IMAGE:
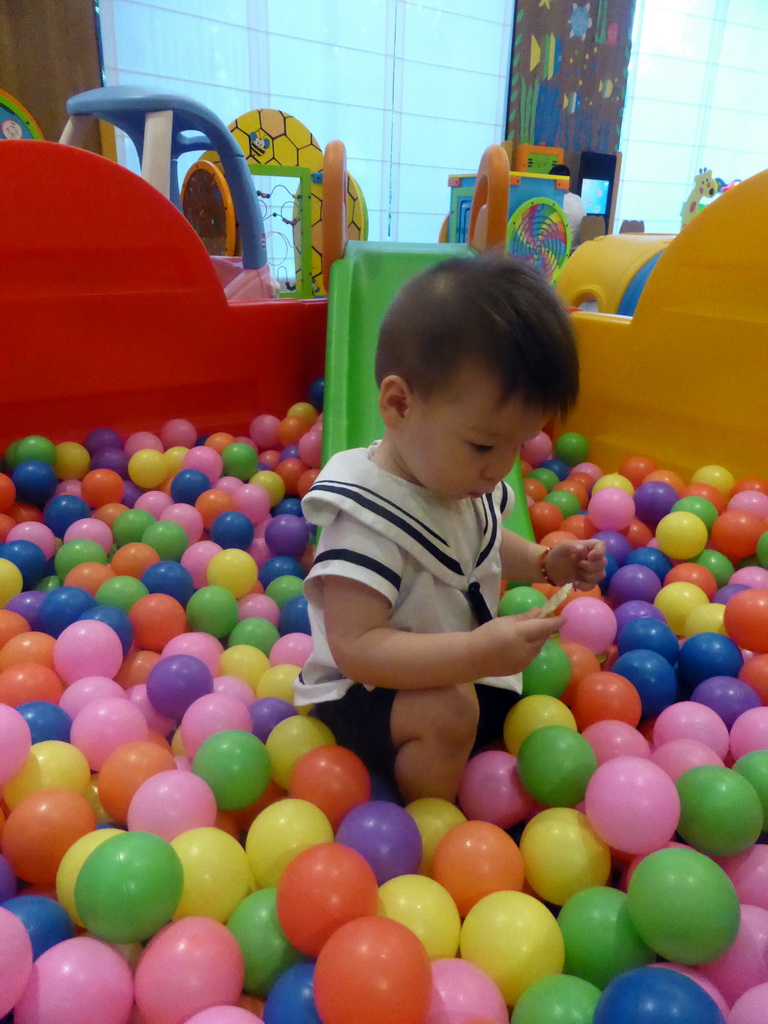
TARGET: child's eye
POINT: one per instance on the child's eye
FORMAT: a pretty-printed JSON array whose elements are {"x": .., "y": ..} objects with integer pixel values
[{"x": 480, "y": 448}]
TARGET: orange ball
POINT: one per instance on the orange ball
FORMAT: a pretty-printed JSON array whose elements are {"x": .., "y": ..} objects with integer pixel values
[
  {"x": 582, "y": 478},
  {"x": 269, "y": 458},
  {"x": 690, "y": 572},
  {"x": 28, "y": 647},
  {"x": 123, "y": 772},
  {"x": 580, "y": 526},
  {"x": 605, "y": 695},
  {"x": 89, "y": 576},
  {"x": 28, "y": 681},
  {"x": 746, "y": 620},
  {"x": 735, "y": 534},
  {"x": 6, "y": 525},
  {"x": 525, "y": 466},
  {"x": 474, "y": 859},
  {"x": 102, "y": 487},
  {"x": 637, "y": 467},
  {"x": 156, "y": 619},
  {"x": 706, "y": 491},
  {"x": 333, "y": 779},
  {"x": 23, "y": 512},
  {"x": 219, "y": 441},
  {"x": 306, "y": 480},
  {"x": 666, "y": 476},
  {"x": 534, "y": 488},
  {"x": 576, "y": 488},
  {"x": 212, "y": 503},
  {"x": 109, "y": 513},
  {"x": 754, "y": 672},
  {"x": 11, "y": 625},
  {"x": 291, "y": 429},
  {"x": 638, "y": 534},
  {"x": 136, "y": 667},
  {"x": 290, "y": 472},
  {"x": 583, "y": 662},
  {"x": 557, "y": 537},
  {"x": 41, "y": 828},
  {"x": 7, "y": 492},
  {"x": 545, "y": 518},
  {"x": 133, "y": 559}
]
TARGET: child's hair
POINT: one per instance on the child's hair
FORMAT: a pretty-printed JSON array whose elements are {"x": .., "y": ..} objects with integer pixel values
[{"x": 493, "y": 311}]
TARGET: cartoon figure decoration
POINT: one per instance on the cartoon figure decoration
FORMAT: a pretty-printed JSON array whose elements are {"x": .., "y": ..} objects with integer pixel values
[
  {"x": 704, "y": 185},
  {"x": 580, "y": 21}
]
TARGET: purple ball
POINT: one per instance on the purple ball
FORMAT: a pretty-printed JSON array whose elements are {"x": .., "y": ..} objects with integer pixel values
[
  {"x": 176, "y": 682},
  {"x": 111, "y": 458},
  {"x": 727, "y": 696},
  {"x": 653, "y": 501},
  {"x": 386, "y": 835},
  {"x": 28, "y": 604},
  {"x": 287, "y": 535},
  {"x": 8, "y": 883},
  {"x": 616, "y": 544},
  {"x": 266, "y": 713},
  {"x": 131, "y": 493},
  {"x": 631, "y": 610},
  {"x": 102, "y": 437},
  {"x": 633, "y": 583},
  {"x": 724, "y": 594}
]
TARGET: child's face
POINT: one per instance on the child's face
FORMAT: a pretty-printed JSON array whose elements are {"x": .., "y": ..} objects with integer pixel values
[{"x": 461, "y": 441}]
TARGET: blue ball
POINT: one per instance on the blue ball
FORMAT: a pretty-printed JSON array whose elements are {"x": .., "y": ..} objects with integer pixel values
[
  {"x": 706, "y": 655},
  {"x": 287, "y": 507},
  {"x": 280, "y": 565},
  {"x": 616, "y": 544},
  {"x": 35, "y": 481},
  {"x": 291, "y": 999},
  {"x": 116, "y": 619},
  {"x": 649, "y": 635},
  {"x": 46, "y": 921},
  {"x": 46, "y": 721},
  {"x": 652, "y": 676},
  {"x": 294, "y": 616},
  {"x": 655, "y": 995},
  {"x": 651, "y": 558},
  {"x": 316, "y": 393},
  {"x": 63, "y": 510},
  {"x": 557, "y": 466},
  {"x": 188, "y": 484},
  {"x": 169, "y": 578},
  {"x": 232, "y": 530},
  {"x": 28, "y": 559},
  {"x": 611, "y": 567},
  {"x": 62, "y": 607},
  {"x": 291, "y": 451}
]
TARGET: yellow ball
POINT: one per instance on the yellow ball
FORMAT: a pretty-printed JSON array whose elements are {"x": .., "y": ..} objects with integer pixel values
[
  {"x": 279, "y": 833},
  {"x": 278, "y": 682},
  {"x": 234, "y": 570},
  {"x": 681, "y": 535},
  {"x": 217, "y": 875},
  {"x": 290, "y": 740},
  {"x": 303, "y": 410},
  {"x": 272, "y": 484},
  {"x": 532, "y": 713},
  {"x": 424, "y": 906},
  {"x": 11, "y": 581},
  {"x": 715, "y": 476},
  {"x": 147, "y": 468},
  {"x": 434, "y": 818},
  {"x": 177, "y": 745},
  {"x": 92, "y": 796},
  {"x": 72, "y": 461},
  {"x": 676, "y": 601},
  {"x": 563, "y": 854},
  {"x": 174, "y": 458},
  {"x": 50, "y": 764},
  {"x": 513, "y": 938},
  {"x": 705, "y": 618},
  {"x": 72, "y": 861},
  {"x": 614, "y": 480},
  {"x": 246, "y": 662}
]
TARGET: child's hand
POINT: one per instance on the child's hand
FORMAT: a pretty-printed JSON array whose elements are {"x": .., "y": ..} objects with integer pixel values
[
  {"x": 581, "y": 562},
  {"x": 509, "y": 644}
]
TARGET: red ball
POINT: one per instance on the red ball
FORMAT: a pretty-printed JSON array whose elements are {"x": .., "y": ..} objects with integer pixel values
[
  {"x": 746, "y": 620},
  {"x": 545, "y": 518},
  {"x": 735, "y": 534},
  {"x": 636, "y": 468},
  {"x": 333, "y": 779},
  {"x": 605, "y": 695},
  {"x": 290, "y": 472},
  {"x": 690, "y": 572}
]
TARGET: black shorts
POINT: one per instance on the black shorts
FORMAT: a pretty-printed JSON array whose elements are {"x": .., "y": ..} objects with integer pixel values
[{"x": 360, "y": 721}]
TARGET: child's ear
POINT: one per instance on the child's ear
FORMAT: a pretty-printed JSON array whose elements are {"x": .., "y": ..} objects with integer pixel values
[{"x": 395, "y": 397}]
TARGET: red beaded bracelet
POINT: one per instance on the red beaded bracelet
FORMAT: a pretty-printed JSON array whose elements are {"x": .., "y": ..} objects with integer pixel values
[{"x": 543, "y": 566}]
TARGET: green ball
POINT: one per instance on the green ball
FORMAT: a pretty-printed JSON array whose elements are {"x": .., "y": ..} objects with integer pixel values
[
  {"x": 266, "y": 951},
  {"x": 600, "y": 939},
  {"x": 11, "y": 456},
  {"x": 555, "y": 765},
  {"x": 240, "y": 460},
  {"x": 520, "y": 599},
  {"x": 130, "y": 525},
  {"x": 762, "y": 550},
  {"x": 212, "y": 610},
  {"x": 236, "y": 766},
  {"x": 121, "y": 592},
  {"x": 572, "y": 448},
  {"x": 256, "y": 633},
  {"x": 567, "y": 503},
  {"x": 283, "y": 588},
  {"x": 544, "y": 476},
  {"x": 35, "y": 447},
  {"x": 683, "y": 906},
  {"x": 129, "y": 887},
  {"x": 48, "y": 583},
  {"x": 701, "y": 507},
  {"x": 720, "y": 566},
  {"x": 75, "y": 552},
  {"x": 168, "y": 539},
  {"x": 720, "y": 812},
  {"x": 557, "y": 997},
  {"x": 754, "y": 768},
  {"x": 549, "y": 672}
]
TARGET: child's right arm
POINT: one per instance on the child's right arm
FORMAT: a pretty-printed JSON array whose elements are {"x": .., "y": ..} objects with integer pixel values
[{"x": 368, "y": 650}]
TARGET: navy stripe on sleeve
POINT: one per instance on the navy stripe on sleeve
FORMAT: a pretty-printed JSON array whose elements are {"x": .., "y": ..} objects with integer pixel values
[{"x": 364, "y": 561}]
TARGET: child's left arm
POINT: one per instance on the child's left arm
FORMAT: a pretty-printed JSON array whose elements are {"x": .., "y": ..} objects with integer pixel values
[{"x": 581, "y": 562}]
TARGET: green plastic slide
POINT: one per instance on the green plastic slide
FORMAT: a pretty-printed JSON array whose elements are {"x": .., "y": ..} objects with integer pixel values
[{"x": 363, "y": 285}]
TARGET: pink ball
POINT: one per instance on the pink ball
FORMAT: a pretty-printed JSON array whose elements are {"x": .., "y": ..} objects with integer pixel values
[
  {"x": 749, "y": 873},
  {"x": 189, "y": 966},
  {"x": 15, "y": 741},
  {"x": 253, "y": 501},
  {"x": 235, "y": 688},
  {"x": 16, "y": 958},
  {"x": 230, "y": 484},
  {"x": 200, "y": 645},
  {"x": 69, "y": 487},
  {"x": 291, "y": 649},
  {"x": 311, "y": 447},
  {"x": 259, "y": 551},
  {"x": 590, "y": 469},
  {"x": 745, "y": 964},
  {"x": 137, "y": 695},
  {"x": 225, "y": 1015},
  {"x": 170, "y": 803},
  {"x": 259, "y": 606},
  {"x": 611, "y": 509},
  {"x": 681, "y": 755},
  {"x": 187, "y": 517},
  {"x": 141, "y": 441},
  {"x": 36, "y": 533},
  {"x": 749, "y": 732},
  {"x": 462, "y": 992},
  {"x": 632, "y": 804},
  {"x": 105, "y": 724},
  {"x": 538, "y": 449},
  {"x": 751, "y": 576},
  {"x": 491, "y": 789},
  {"x": 207, "y": 460},
  {"x": 177, "y": 433},
  {"x": 589, "y": 621},
  {"x": 751, "y": 501},
  {"x": 153, "y": 501},
  {"x": 80, "y": 979},
  {"x": 263, "y": 431},
  {"x": 752, "y": 1007},
  {"x": 87, "y": 648},
  {"x": 76, "y": 696},
  {"x": 91, "y": 529},
  {"x": 609, "y": 739},
  {"x": 701, "y": 981},
  {"x": 209, "y": 714},
  {"x": 196, "y": 558},
  {"x": 690, "y": 720}
]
